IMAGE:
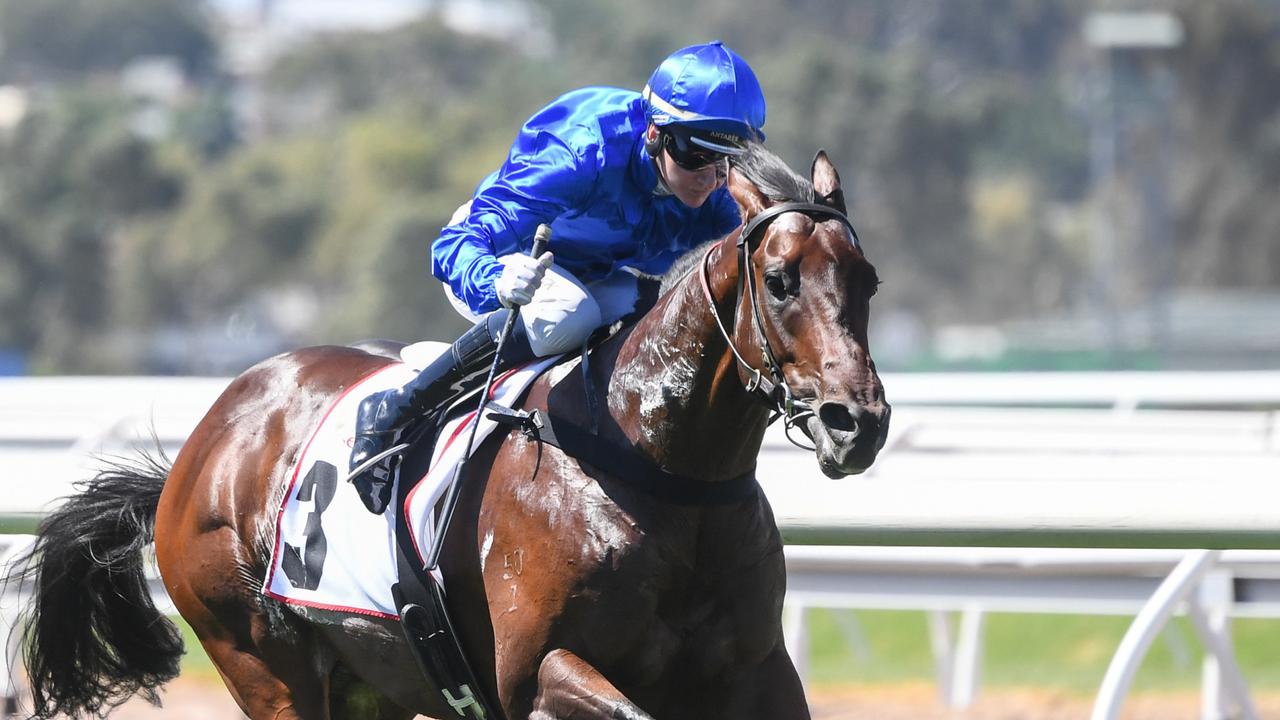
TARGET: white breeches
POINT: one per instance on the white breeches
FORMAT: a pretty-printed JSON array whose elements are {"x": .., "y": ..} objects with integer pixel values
[{"x": 564, "y": 311}]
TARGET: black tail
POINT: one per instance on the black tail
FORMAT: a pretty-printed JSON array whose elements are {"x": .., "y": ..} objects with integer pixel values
[{"x": 94, "y": 637}]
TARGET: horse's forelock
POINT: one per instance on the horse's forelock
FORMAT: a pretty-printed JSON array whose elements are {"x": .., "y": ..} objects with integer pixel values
[{"x": 772, "y": 176}]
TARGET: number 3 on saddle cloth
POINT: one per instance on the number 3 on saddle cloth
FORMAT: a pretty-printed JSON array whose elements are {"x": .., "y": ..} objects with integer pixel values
[{"x": 330, "y": 551}]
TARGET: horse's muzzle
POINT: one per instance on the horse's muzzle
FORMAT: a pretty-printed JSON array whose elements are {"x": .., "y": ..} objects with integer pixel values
[{"x": 847, "y": 437}]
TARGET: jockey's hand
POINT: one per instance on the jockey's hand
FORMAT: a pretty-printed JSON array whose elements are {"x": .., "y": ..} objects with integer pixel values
[{"x": 521, "y": 277}]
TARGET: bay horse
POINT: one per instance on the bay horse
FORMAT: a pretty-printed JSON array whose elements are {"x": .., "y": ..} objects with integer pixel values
[{"x": 576, "y": 592}]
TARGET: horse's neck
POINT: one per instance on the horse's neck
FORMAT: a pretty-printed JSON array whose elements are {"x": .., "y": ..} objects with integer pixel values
[{"x": 676, "y": 394}]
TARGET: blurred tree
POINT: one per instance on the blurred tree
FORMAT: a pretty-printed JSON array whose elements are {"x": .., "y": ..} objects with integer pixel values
[
  {"x": 207, "y": 123},
  {"x": 1228, "y": 158},
  {"x": 960, "y": 130},
  {"x": 391, "y": 293},
  {"x": 70, "y": 175},
  {"x": 22, "y": 272},
  {"x": 120, "y": 176},
  {"x": 65, "y": 38},
  {"x": 250, "y": 223},
  {"x": 422, "y": 65}
]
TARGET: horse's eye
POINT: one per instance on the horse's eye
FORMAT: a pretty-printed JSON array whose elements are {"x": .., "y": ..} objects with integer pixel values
[{"x": 776, "y": 285}]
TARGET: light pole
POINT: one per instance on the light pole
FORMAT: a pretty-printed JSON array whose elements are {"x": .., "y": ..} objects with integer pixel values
[{"x": 1119, "y": 38}]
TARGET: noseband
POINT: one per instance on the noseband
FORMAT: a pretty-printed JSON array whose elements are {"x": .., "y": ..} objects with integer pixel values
[{"x": 775, "y": 392}]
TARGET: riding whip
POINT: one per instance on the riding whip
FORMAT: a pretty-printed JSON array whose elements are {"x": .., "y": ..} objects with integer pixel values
[{"x": 540, "y": 239}]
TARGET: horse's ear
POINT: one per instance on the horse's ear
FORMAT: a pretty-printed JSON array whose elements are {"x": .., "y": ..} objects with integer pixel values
[
  {"x": 749, "y": 197},
  {"x": 826, "y": 182}
]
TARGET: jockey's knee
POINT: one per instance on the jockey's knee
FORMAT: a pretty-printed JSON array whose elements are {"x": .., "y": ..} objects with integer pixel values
[
  {"x": 561, "y": 332},
  {"x": 562, "y": 315}
]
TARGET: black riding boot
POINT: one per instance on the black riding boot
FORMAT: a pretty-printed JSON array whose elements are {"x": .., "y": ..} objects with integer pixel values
[{"x": 383, "y": 414}]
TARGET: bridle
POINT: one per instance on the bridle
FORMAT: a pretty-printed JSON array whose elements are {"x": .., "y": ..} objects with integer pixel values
[{"x": 773, "y": 390}]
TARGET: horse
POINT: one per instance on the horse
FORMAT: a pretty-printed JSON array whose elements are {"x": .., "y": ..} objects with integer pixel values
[{"x": 577, "y": 593}]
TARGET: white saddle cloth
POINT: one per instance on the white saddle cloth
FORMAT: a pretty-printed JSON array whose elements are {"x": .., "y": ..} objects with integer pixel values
[{"x": 330, "y": 551}]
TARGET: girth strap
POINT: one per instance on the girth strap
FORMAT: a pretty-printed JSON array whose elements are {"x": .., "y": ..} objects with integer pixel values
[{"x": 424, "y": 616}]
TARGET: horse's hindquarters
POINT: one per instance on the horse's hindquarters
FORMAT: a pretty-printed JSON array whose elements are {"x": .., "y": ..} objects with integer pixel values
[{"x": 215, "y": 534}]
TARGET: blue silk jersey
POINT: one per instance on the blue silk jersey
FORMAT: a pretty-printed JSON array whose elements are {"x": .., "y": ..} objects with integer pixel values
[{"x": 580, "y": 165}]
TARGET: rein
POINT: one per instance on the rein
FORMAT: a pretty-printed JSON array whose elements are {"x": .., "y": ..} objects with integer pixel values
[{"x": 773, "y": 391}]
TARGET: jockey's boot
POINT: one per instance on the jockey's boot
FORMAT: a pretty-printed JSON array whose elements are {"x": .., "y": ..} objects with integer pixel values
[{"x": 384, "y": 414}]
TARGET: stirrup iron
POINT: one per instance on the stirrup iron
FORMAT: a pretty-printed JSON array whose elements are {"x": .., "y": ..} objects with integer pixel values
[{"x": 358, "y": 471}]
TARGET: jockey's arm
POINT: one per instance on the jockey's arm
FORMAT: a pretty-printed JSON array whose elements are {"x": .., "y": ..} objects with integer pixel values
[{"x": 526, "y": 191}]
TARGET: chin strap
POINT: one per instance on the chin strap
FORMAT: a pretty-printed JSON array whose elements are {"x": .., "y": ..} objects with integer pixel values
[{"x": 661, "y": 189}]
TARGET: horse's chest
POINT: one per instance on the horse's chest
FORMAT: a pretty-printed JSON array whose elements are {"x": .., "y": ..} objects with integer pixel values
[
  {"x": 646, "y": 591},
  {"x": 705, "y": 621}
]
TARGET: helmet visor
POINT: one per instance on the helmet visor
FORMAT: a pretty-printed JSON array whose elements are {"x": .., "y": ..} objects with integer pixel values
[{"x": 693, "y": 152}]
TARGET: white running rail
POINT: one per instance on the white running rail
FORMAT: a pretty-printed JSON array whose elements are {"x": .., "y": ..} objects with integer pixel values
[{"x": 1008, "y": 493}]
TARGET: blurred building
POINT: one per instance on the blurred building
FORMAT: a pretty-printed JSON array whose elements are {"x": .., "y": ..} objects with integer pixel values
[
  {"x": 14, "y": 103},
  {"x": 256, "y": 32}
]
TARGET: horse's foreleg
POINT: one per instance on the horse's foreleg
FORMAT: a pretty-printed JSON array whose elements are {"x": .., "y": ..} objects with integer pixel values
[
  {"x": 769, "y": 691},
  {"x": 568, "y": 687}
]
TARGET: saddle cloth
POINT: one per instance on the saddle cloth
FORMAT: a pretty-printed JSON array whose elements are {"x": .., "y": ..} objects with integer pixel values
[{"x": 330, "y": 552}]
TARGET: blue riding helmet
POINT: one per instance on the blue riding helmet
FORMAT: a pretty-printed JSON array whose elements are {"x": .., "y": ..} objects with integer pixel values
[{"x": 712, "y": 92}]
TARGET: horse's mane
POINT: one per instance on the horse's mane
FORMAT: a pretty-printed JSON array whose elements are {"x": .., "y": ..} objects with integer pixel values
[
  {"x": 683, "y": 266},
  {"x": 771, "y": 176}
]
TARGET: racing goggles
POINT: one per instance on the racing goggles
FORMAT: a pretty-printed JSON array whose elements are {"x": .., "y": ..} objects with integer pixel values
[{"x": 688, "y": 154}]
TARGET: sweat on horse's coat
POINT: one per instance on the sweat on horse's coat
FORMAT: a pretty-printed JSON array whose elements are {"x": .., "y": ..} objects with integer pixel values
[{"x": 575, "y": 593}]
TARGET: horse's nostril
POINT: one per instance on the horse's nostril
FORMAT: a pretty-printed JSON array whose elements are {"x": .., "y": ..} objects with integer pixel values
[{"x": 837, "y": 417}]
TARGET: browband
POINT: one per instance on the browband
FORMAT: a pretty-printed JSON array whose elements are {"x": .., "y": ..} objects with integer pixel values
[{"x": 823, "y": 211}]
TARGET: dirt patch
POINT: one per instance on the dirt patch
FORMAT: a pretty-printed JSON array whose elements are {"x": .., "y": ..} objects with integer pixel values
[
  {"x": 919, "y": 701},
  {"x": 184, "y": 699},
  {"x": 191, "y": 699}
]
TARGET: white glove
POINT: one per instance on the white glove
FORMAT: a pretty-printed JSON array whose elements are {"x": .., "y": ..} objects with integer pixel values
[{"x": 521, "y": 277}]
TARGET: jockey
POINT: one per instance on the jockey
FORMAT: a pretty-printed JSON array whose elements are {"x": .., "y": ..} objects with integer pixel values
[{"x": 627, "y": 181}]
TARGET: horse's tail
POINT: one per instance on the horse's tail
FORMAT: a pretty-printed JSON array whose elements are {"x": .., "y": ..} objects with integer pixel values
[{"x": 94, "y": 637}]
